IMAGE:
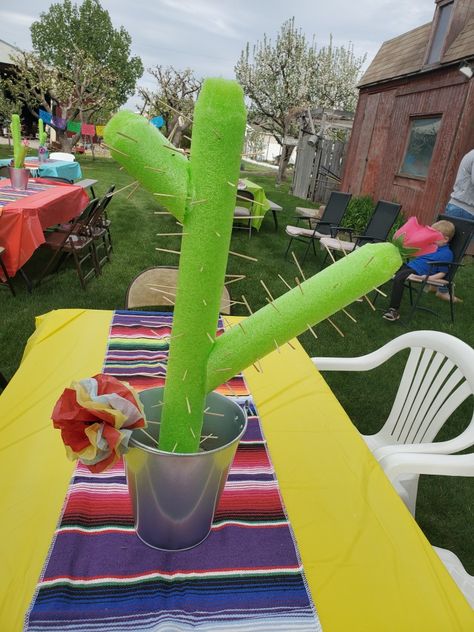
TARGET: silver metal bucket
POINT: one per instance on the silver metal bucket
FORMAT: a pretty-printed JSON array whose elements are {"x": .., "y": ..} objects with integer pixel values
[
  {"x": 19, "y": 178},
  {"x": 174, "y": 496}
]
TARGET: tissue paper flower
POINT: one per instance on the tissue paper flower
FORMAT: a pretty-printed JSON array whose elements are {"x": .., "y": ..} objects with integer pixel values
[
  {"x": 96, "y": 417},
  {"x": 414, "y": 239}
]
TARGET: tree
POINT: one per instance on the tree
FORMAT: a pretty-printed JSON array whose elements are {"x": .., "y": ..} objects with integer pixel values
[
  {"x": 79, "y": 63},
  {"x": 173, "y": 99},
  {"x": 283, "y": 78}
]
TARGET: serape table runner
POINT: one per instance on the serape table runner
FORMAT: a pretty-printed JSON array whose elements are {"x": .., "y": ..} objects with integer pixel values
[
  {"x": 246, "y": 576},
  {"x": 8, "y": 194}
]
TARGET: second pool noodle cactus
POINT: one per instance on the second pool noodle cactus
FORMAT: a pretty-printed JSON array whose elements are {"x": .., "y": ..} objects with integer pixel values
[
  {"x": 204, "y": 202},
  {"x": 19, "y": 150}
]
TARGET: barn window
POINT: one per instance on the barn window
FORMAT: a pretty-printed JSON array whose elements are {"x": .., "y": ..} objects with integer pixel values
[
  {"x": 421, "y": 142},
  {"x": 442, "y": 22}
]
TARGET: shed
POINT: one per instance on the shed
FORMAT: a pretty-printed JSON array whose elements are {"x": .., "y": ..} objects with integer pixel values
[{"x": 415, "y": 114}]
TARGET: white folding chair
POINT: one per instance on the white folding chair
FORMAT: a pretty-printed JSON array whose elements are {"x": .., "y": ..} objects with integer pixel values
[{"x": 62, "y": 155}]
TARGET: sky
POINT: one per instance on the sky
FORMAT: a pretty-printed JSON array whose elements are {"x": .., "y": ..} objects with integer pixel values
[{"x": 208, "y": 35}]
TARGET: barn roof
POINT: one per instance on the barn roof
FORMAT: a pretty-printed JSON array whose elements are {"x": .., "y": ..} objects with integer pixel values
[
  {"x": 404, "y": 55},
  {"x": 6, "y": 50}
]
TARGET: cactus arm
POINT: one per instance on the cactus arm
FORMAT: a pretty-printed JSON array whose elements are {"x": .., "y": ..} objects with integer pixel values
[
  {"x": 219, "y": 125},
  {"x": 141, "y": 149},
  {"x": 41, "y": 132},
  {"x": 319, "y": 297}
]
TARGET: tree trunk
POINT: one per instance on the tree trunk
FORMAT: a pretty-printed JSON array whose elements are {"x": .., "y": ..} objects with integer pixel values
[
  {"x": 286, "y": 151},
  {"x": 64, "y": 140}
]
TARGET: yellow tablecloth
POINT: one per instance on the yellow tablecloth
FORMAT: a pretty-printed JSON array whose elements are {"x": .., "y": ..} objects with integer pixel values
[
  {"x": 369, "y": 567},
  {"x": 260, "y": 206}
]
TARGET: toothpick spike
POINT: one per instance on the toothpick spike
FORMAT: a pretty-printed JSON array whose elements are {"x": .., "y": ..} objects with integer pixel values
[
  {"x": 299, "y": 285},
  {"x": 330, "y": 253},
  {"x": 173, "y": 252},
  {"x": 148, "y": 435},
  {"x": 188, "y": 405},
  {"x": 192, "y": 432},
  {"x": 185, "y": 373},
  {"x": 126, "y": 136},
  {"x": 311, "y": 330},
  {"x": 276, "y": 345},
  {"x": 287, "y": 284},
  {"x": 272, "y": 304},
  {"x": 218, "y": 234},
  {"x": 114, "y": 149},
  {"x": 290, "y": 345},
  {"x": 171, "y": 234},
  {"x": 174, "y": 447},
  {"x": 133, "y": 191},
  {"x": 376, "y": 289},
  {"x": 242, "y": 328},
  {"x": 349, "y": 315},
  {"x": 204, "y": 302},
  {"x": 210, "y": 337},
  {"x": 335, "y": 327},
  {"x": 298, "y": 265},
  {"x": 247, "y": 305},
  {"x": 154, "y": 169},
  {"x": 240, "y": 277},
  {"x": 231, "y": 184},
  {"x": 370, "y": 302},
  {"x": 238, "y": 254},
  {"x": 170, "y": 302}
]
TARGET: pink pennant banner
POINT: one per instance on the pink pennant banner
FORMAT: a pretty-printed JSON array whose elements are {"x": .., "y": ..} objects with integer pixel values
[{"x": 87, "y": 129}]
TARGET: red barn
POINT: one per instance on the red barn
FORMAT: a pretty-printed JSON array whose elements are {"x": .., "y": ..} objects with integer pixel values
[{"x": 415, "y": 115}]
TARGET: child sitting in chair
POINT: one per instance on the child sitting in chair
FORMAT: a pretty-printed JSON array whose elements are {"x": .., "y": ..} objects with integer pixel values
[{"x": 419, "y": 267}]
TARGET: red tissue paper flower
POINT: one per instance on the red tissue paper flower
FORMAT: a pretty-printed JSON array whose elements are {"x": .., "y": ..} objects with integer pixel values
[
  {"x": 96, "y": 417},
  {"x": 414, "y": 239}
]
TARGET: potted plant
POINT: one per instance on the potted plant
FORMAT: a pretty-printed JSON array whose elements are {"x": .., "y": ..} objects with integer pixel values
[
  {"x": 174, "y": 479},
  {"x": 42, "y": 136},
  {"x": 18, "y": 174}
]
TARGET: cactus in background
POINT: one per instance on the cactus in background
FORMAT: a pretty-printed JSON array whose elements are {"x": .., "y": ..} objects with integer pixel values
[
  {"x": 41, "y": 133},
  {"x": 200, "y": 193},
  {"x": 19, "y": 149}
]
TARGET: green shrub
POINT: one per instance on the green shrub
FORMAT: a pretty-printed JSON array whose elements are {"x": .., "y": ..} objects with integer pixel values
[{"x": 358, "y": 213}]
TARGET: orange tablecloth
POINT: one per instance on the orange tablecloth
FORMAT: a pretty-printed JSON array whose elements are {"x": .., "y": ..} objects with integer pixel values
[{"x": 22, "y": 222}]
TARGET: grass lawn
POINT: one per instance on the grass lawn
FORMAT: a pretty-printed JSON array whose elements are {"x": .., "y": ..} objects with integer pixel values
[{"x": 445, "y": 505}]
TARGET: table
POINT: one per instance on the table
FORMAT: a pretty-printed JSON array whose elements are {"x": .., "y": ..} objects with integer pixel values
[
  {"x": 260, "y": 206},
  {"x": 369, "y": 567},
  {"x": 51, "y": 167},
  {"x": 23, "y": 221}
]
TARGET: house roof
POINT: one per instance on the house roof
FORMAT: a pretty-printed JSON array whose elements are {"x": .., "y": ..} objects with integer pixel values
[
  {"x": 404, "y": 55},
  {"x": 6, "y": 50}
]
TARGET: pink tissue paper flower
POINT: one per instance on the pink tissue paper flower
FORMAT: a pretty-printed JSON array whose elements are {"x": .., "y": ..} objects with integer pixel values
[{"x": 415, "y": 239}]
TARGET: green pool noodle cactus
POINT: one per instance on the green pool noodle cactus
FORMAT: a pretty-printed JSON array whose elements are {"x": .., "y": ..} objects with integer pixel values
[
  {"x": 41, "y": 133},
  {"x": 19, "y": 150},
  {"x": 203, "y": 202}
]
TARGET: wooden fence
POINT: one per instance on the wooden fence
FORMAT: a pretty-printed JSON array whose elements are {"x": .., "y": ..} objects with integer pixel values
[{"x": 318, "y": 167}]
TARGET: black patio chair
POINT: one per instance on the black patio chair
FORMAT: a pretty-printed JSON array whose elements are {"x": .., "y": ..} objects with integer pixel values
[
  {"x": 332, "y": 216},
  {"x": 378, "y": 228},
  {"x": 458, "y": 245}
]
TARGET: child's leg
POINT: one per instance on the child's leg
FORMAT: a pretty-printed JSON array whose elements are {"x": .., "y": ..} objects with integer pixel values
[{"x": 397, "y": 286}]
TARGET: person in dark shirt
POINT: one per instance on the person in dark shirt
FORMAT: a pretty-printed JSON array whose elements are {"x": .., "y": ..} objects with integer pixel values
[{"x": 421, "y": 268}]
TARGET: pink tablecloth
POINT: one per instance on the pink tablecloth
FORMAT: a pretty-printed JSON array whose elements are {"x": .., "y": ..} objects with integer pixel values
[{"x": 23, "y": 221}]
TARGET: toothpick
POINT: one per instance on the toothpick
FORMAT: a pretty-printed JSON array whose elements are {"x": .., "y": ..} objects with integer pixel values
[
  {"x": 369, "y": 261},
  {"x": 187, "y": 137},
  {"x": 210, "y": 337},
  {"x": 155, "y": 289},
  {"x": 349, "y": 315},
  {"x": 176, "y": 149},
  {"x": 342, "y": 247},
  {"x": 171, "y": 234},
  {"x": 197, "y": 202},
  {"x": 272, "y": 304},
  {"x": 159, "y": 285},
  {"x": 192, "y": 432},
  {"x": 160, "y": 403},
  {"x": 238, "y": 254},
  {"x": 114, "y": 149},
  {"x": 162, "y": 213},
  {"x": 174, "y": 447},
  {"x": 188, "y": 405},
  {"x": 311, "y": 330},
  {"x": 241, "y": 197},
  {"x": 242, "y": 328},
  {"x": 231, "y": 184},
  {"x": 376, "y": 289},
  {"x": 201, "y": 268},
  {"x": 218, "y": 234},
  {"x": 227, "y": 368},
  {"x": 335, "y": 327},
  {"x": 287, "y": 284},
  {"x": 171, "y": 303},
  {"x": 125, "y": 187},
  {"x": 207, "y": 411},
  {"x": 155, "y": 169},
  {"x": 210, "y": 436},
  {"x": 240, "y": 277},
  {"x": 370, "y": 302},
  {"x": 233, "y": 393},
  {"x": 174, "y": 109},
  {"x": 148, "y": 435},
  {"x": 165, "y": 195},
  {"x": 126, "y": 136},
  {"x": 276, "y": 345},
  {"x": 256, "y": 367},
  {"x": 133, "y": 191},
  {"x": 298, "y": 265},
  {"x": 173, "y": 252},
  {"x": 246, "y": 304},
  {"x": 330, "y": 253},
  {"x": 292, "y": 346},
  {"x": 266, "y": 289},
  {"x": 176, "y": 336},
  {"x": 204, "y": 302},
  {"x": 299, "y": 285},
  {"x": 185, "y": 373}
]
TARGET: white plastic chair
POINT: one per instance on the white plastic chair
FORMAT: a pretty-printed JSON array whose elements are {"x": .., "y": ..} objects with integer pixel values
[
  {"x": 62, "y": 155},
  {"x": 396, "y": 465},
  {"x": 438, "y": 377}
]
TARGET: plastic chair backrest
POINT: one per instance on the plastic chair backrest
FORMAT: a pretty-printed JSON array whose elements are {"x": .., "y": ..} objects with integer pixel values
[
  {"x": 334, "y": 212},
  {"x": 380, "y": 222},
  {"x": 438, "y": 377},
  {"x": 62, "y": 155},
  {"x": 157, "y": 286},
  {"x": 461, "y": 240}
]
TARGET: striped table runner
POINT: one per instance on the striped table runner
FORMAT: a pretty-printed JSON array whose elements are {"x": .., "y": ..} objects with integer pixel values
[
  {"x": 246, "y": 576},
  {"x": 8, "y": 194}
]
